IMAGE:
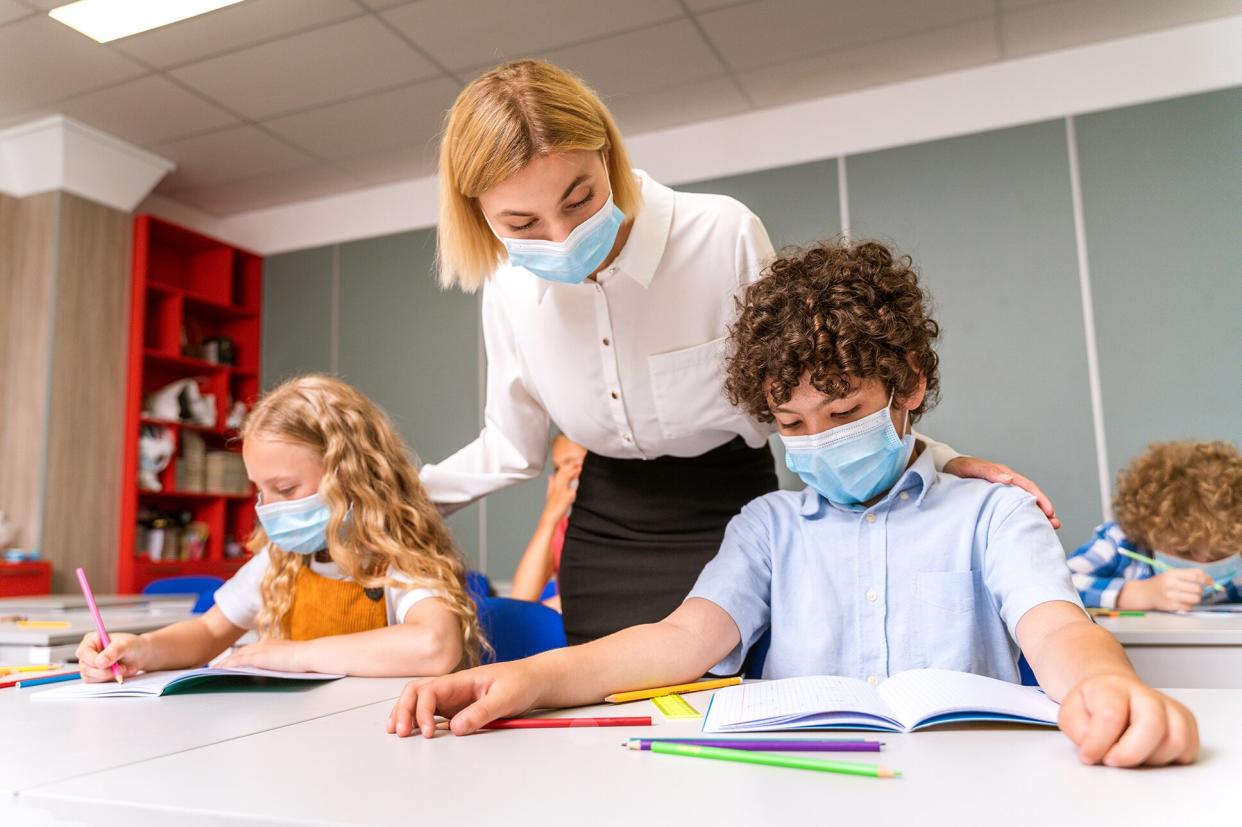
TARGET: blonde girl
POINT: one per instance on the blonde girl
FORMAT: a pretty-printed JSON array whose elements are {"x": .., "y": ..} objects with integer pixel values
[{"x": 353, "y": 568}]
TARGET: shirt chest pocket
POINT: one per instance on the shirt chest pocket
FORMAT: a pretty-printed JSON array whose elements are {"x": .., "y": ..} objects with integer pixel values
[
  {"x": 687, "y": 386},
  {"x": 949, "y": 591}
]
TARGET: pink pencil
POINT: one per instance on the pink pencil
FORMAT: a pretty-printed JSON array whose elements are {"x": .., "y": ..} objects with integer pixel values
[{"x": 104, "y": 640}]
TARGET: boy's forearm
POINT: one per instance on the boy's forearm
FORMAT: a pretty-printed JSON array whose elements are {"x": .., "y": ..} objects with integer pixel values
[
  {"x": 1074, "y": 652},
  {"x": 654, "y": 654}
]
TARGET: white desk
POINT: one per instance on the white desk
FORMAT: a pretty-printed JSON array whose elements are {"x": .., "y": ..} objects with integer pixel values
[
  {"x": 56, "y": 740},
  {"x": 1182, "y": 650},
  {"x": 56, "y": 603},
  {"x": 343, "y": 769},
  {"x": 19, "y": 645}
]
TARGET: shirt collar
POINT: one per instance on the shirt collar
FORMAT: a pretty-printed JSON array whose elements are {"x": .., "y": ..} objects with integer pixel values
[
  {"x": 921, "y": 475},
  {"x": 643, "y": 250}
]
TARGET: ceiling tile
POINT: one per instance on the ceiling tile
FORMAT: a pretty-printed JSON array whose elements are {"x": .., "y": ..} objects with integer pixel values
[
  {"x": 1062, "y": 25},
  {"x": 641, "y": 61},
  {"x": 146, "y": 111},
  {"x": 227, "y": 155},
  {"x": 326, "y": 64},
  {"x": 407, "y": 117},
  {"x": 268, "y": 190},
  {"x": 763, "y": 33},
  {"x": 890, "y": 61},
  {"x": 661, "y": 108},
  {"x": 463, "y": 35},
  {"x": 396, "y": 165},
  {"x": 232, "y": 28},
  {"x": 43, "y": 61},
  {"x": 11, "y": 10}
]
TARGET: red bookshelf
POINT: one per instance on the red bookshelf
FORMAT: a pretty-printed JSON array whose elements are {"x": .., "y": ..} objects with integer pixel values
[{"x": 190, "y": 294}]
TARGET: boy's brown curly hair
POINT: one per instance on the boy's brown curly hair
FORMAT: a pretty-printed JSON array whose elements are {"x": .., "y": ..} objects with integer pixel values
[
  {"x": 838, "y": 312},
  {"x": 1183, "y": 498}
]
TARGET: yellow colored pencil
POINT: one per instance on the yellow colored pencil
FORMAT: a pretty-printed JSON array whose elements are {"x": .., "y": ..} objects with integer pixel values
[
  {"x": 43, "y": 624},
  {"x": 644, "y": 694},
  {"x": 37, "y": 667},
  {"x": 1156, "y": 564}
]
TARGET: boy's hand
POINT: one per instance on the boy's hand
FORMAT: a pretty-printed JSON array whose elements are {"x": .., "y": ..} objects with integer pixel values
[
  {"x": 1175, "y": 590},
  {"x": 132, "y": 652},
  {"x": 1119, "y": 721},
  {"x": 471, "y": 699},
  {"x": 277, "y": 655},
  {"x": 995, "y": 472}
]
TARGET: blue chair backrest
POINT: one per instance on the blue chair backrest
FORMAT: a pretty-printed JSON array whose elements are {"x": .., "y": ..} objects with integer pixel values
[
  {"x": 549, "y": 591},
  {"x": 1024, "y": 672},
  {"x": 204, "y": 586},
  {"x": 752, "y": 667},
  {"x": 519, "y": 628},
  {"x": 478, "y": 586}
]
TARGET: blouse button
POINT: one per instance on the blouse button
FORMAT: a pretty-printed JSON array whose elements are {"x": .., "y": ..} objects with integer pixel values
[
  {"x": 605, "y": 342},
  {"x": 613, "y": 394}
]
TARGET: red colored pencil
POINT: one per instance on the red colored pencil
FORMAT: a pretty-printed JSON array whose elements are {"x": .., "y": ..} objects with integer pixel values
[{"x": 557, "y": 723}]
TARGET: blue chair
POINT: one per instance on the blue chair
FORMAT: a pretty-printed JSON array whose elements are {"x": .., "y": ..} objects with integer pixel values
[
  {"x": 519, "y": 628},
  {"x": 549, "y": 591},
  {"x": 1024, "y": 672},
  {"x": 752, "y": 667},
  {"x": 478, "y": 586},
  {"x": 204, "y": 586}
]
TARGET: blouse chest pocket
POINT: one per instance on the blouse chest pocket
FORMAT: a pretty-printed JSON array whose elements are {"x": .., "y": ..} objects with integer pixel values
[{"x": 687, "y": 386}]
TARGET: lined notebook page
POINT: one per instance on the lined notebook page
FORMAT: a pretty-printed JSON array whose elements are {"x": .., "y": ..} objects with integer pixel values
[
  {"x": 919, "y": 694},
  {"x": 795, "y": 697}
]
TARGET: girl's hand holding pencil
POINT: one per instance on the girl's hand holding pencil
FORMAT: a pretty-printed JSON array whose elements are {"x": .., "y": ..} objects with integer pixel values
[{"x": 130, "y": 652}]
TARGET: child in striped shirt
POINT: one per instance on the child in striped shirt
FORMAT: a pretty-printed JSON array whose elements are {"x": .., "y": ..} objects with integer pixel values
[{"x": 1179, "y": 503}]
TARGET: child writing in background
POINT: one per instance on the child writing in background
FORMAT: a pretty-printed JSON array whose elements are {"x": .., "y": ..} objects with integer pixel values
[
  {"x": 881, "y": 564},
  {"x": 1179, "y": 503},
  {"x": 542, "y": 558},
  {"x": 353, "y": 568}
]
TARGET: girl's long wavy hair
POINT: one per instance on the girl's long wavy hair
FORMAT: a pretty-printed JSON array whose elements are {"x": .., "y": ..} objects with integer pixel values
[{"x": 367, "y": 467}]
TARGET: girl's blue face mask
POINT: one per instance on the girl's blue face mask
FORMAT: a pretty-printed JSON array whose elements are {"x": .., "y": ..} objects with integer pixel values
[
  {"x": 581, "y": 253},
  {"x": 297, "y": 526},
  {"x": 851, "y": 463}
]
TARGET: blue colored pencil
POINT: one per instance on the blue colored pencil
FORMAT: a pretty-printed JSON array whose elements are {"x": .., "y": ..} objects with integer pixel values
[
  {"x": 69, "y": 676},
  {"x": 765, "y": 744}
]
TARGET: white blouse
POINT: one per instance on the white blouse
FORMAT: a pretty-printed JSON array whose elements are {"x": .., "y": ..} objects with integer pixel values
[{"x": 630, "y": 366}]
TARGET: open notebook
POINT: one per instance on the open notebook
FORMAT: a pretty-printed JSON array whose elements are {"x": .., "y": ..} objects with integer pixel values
[
  {"x": 910, "y": 700},
  {"x": 207, "y": 679}
]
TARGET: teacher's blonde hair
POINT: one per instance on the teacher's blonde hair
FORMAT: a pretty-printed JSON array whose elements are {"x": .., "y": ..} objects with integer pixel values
[{"x": 497, "y": 125}]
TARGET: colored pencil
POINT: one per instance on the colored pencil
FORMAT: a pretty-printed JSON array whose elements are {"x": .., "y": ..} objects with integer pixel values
[
  {"x": 5, "y": 684},
  {"x": 559, "y": 723},
  {"x": 104, "y": 640},
  {"x": 38, "y": 667},
  {"x": 644, "y": 694},
  {"x": 762, "y": 745},
  {"x": 1156, "y": 564},
  {"x": 68, "y": 676},
  {"x": 1116, "y": 613},
  {"x": 43, "y": 624},
  {"x": 769, "y": 760}
]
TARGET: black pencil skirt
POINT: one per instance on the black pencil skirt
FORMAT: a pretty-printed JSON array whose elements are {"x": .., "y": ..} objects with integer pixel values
[{"x": 641, "y": 531}]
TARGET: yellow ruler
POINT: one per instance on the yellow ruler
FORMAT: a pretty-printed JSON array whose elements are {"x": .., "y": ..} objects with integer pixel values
[{"x": 675, "y": 707}]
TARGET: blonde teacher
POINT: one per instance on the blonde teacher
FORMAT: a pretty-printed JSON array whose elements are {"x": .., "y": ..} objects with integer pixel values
[{"x": 606, "y": 301}]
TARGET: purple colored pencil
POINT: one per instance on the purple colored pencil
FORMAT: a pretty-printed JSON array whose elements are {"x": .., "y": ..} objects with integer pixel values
[{"x": 766, "y": 745}]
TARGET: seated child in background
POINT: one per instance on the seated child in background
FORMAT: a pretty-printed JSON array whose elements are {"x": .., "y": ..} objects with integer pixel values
[
  {"x": 1181, "y": 504},
  {"x": 542, "y": 558},
  {"x": 353, "y": 568},
  {"x": 882, "y": 564}
]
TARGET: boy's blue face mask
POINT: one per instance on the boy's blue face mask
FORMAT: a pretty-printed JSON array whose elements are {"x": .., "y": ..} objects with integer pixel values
[
  {"x": 1221, "y": 571},
  {"x": 581, "y": 253},
  {"x": 851, "y": 463},
  {"x": 297, "y": 526}
]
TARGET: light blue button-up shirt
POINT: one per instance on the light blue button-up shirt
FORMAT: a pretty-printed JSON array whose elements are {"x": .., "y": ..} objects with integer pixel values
[{"x": 936, "y": 574}]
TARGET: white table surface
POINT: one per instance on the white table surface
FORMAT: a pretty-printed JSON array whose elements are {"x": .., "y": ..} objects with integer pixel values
[
  {"x": 122, "y": 619},
  {"x": 1166, "y": 629},
  {"x": 61, "y": 602},
  {"x": 343, "y": 769},
  {"x": 46, "y": 741}
]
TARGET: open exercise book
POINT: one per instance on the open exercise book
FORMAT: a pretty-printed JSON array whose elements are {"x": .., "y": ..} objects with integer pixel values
[
  {"x": 915, "y": 699},
  {"x": 207, "y": 679}
]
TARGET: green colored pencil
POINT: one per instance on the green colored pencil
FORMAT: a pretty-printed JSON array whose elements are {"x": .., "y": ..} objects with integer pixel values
[
  {"x": 773, "y": 760},
  {"x": 1158, "y": 565}
]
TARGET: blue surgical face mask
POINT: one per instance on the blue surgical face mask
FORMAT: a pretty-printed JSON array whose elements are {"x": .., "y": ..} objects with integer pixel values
[
  {"x": 578, "y": 256},
  {"x": 1221, "y": 571},
  {"x": 851, "y": 463},
  {"x": 297, "y": 526}
]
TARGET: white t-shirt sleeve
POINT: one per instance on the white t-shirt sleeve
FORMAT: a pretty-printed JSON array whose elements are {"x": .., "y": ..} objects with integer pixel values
[
  {"x": 239, "y": 598},
  {"x": 400, "y": 600}
]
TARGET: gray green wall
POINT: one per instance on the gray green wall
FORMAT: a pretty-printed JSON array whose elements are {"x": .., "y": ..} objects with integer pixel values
[{"x": 989, "y": 219}]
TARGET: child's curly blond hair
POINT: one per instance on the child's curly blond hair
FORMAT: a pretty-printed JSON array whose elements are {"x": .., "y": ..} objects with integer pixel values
[{"x": 1183, "y": 498}]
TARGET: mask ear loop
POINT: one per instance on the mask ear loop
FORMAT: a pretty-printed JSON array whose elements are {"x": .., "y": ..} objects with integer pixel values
[{"x": 892, "y": 395}]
